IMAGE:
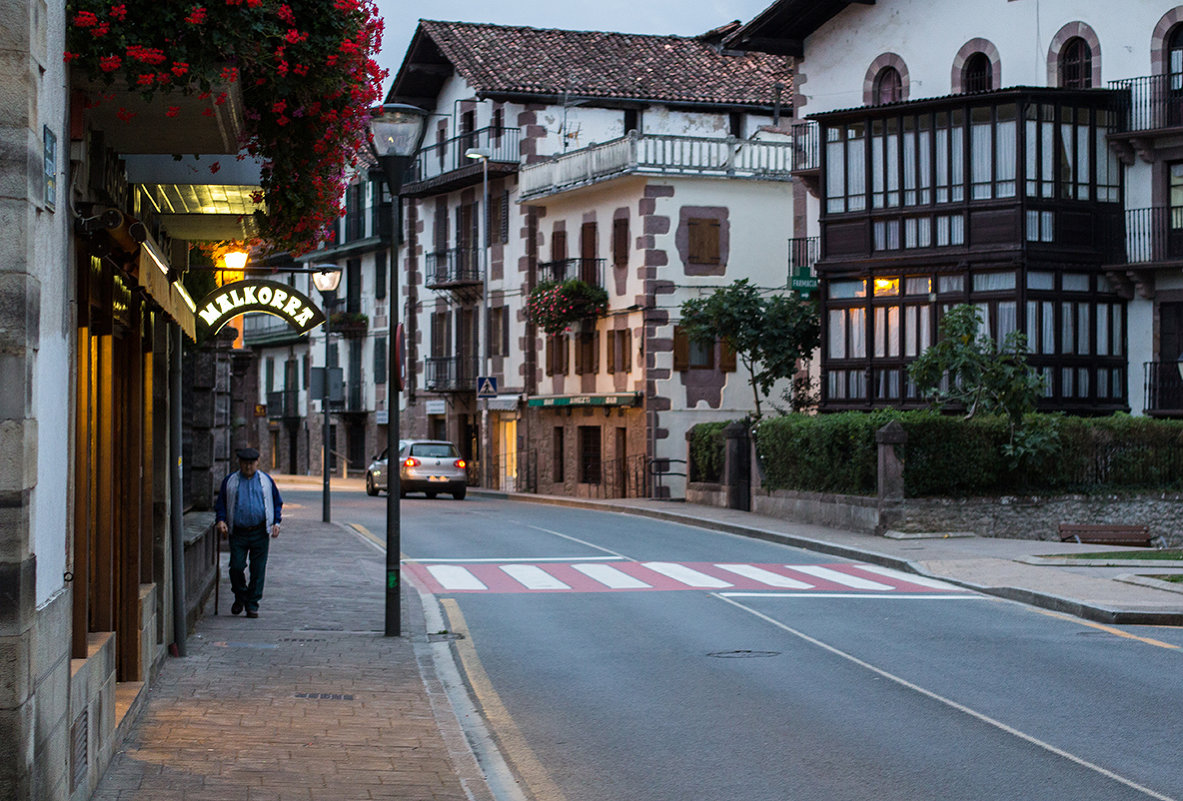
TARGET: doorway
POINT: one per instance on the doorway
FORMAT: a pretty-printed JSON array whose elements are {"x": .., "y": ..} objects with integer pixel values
[{"x": 507, "y": 435}]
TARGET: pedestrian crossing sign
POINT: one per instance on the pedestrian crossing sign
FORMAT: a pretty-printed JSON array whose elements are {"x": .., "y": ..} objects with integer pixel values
[{"x": 486, "y": 386}]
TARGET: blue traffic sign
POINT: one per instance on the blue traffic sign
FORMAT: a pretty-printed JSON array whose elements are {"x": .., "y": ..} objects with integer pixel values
[{"x": 486, "y": 386}]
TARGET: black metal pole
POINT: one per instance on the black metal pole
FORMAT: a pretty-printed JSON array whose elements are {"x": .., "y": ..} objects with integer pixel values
[
  {"x": 393, "y": 167},
  {"x": 326, "y": 514}
]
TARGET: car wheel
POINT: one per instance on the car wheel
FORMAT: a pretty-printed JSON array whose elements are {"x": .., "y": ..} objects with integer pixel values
[
  {"x": 431, "y": 495},
  {"x": 459, "y": 494},
  {"x": 371, "y": 489}
]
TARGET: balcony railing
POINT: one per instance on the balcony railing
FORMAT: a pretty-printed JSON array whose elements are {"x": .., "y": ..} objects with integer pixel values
[
  {"x": 590, "y": 271},
  {"x": 805, "y": 146},
  {"x": 1151, "y": 103},
  {"x": 447, "y": 156},
  {"x": 1164, "y": 389},
  {"x": 1154, "y": 235},
  {"x": 283, "y": 405},
  {"x": 455, "y": 267},
  {"x": 264, "y": 329},
  {"x": 804, "y": 252},
  {"x": 658, "y": 155},
  {"x": 450, "y": 374}
]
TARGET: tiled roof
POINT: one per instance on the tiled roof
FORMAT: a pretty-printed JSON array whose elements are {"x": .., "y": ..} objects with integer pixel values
[{"x": 499, "y": 59}]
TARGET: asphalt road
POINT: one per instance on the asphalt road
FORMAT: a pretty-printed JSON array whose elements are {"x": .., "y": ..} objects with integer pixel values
[{"x": 617, "y": 657}]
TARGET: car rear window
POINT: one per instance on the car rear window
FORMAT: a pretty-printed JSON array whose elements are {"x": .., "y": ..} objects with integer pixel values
[{"x": 433, "y": 450}]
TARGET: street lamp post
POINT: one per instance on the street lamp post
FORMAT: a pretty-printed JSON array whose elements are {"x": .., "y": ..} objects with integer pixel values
[
  {"x": 326, "y": 280},
  {"x": 484, "y": 344},
  {"x": 396, "y": 130}
]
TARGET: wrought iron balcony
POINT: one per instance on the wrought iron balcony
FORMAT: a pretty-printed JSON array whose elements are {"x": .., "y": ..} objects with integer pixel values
[
  {"x": 283, "y": 405},
  {"x": 1164, "y": 389},
  {"x": 1150, "y": 103},
  {"x": 590, "y": 271},
  {"x": 638, "y": 154},
  {"x": 264, "y": 329},
  {"x": 805, "y": 146},
  {"x": 450, "y": 374},
  {"x": 804, "y": 252},
  {"x": 443, "y": 166},
  {"x": 452, "y": 268},
  {"x": 1154, "y": 235}
]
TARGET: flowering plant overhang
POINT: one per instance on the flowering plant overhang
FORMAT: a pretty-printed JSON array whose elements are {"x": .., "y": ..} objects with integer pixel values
[
  {"x": 305, "y": 70},
  {"x": 553, "y": 305}
]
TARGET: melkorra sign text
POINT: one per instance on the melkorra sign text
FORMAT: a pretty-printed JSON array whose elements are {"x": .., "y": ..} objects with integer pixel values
[{"x": 269, "y": 297}]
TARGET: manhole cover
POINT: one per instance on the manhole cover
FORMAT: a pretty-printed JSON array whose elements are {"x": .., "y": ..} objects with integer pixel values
[
  {"x": 743, "y": 654},
  {"x": 325, "y": 696}
]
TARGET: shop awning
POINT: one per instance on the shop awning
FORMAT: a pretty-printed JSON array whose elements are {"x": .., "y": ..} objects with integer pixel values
[{"x": 610, "y": 399}]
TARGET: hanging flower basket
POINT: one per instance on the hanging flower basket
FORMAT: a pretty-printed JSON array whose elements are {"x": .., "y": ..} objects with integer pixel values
[
  {"x": 304, "y": 68},
  {"x": 553, "y": 306},
  {"x": 349, "y": 324}
]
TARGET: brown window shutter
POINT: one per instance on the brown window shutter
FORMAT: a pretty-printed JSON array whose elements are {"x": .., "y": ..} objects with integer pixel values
[
  {"x": 681, "y": 349},
  {"x": 620, "y": 242},
  {"x": 564, "y": 355},
  {"x": 595, "y": 354},
  {"x": 579, "y": 354},
  {"x": 550, "y": 355},
  {"x": 726, "y": 358},
  {"x": 504, "y": 218},
  {"x": 504, "y": 330},
  {"x": 704, "y": 240},
  {"x": 626, "y": 350},
  {"x": 558, "y": 246},
  {"x": 611, "y": 356}
]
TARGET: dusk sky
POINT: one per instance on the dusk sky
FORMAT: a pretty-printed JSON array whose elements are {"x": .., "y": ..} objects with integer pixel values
[{"x": 656, "y": 16}]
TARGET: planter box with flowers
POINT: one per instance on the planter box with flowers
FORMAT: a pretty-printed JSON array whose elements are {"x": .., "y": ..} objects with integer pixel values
[
  {"x": 351, "y": 325},
  {"x": 554, "y": 305},
  {"x": 304, "y": 70}
]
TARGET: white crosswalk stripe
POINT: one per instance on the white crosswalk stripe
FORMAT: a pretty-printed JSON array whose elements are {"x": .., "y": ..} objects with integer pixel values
[
  {"x": 687, "y": 575},
  {"x": 611, "y": 577},
  {"x": 766, "y": 577},
  {"x": 452, "y": 577},
  {"x": 837, "y": 577},
  {"x": 534, "y": 578},
  {"x": 900, "y": 575}
]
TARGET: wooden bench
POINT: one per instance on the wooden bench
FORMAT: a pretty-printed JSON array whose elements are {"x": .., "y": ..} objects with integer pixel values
[{"x": 1107, "y": 534}]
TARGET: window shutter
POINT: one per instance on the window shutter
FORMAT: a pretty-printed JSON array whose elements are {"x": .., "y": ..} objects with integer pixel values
[
  {"x": 704, "y": 240},
  {"x": 726, "y": 357},
  {"x": 558, "y": 246},
  {"x": 380, "y": 278},
  {"x": 379, "y": 360},
  {"x": 505, "y": 217},
  {"x": 612, "y": 341},
  {"x": 626, "y": 350},
  {"x": 564, "y": 354},
  {"x": 504, "y": 330},
  {"x": 681, "y": 349},
  {"x": 550, "y": 355},
  {"x": 595, "y": 351},
  {"x": 620, "y": 242}
]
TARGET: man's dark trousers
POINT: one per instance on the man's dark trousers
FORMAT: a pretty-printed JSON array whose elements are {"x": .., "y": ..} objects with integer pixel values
[{"x": 252, "y": 542}]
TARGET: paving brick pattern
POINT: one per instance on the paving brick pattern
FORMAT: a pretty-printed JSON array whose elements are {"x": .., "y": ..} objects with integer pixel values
[{"x": 307, "y": 702}]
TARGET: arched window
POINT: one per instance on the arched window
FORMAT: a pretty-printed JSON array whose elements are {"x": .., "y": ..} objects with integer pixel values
[
  {"x": 889, "y": 87},
  {"x": 1076, "y": 64},
  {"x": 978, "y": 74},
  {"x": 1175, "y": 57}
]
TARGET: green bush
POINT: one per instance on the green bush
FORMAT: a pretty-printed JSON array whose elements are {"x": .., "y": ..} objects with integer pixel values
[
  {"x": 706, "y": 451},
  {"x": 953, "y": 457}
]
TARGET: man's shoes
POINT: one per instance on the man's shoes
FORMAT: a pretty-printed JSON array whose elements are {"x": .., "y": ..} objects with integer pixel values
[
  {"x": 252, "y": 613},
  {"x": 236, "y": 608}
]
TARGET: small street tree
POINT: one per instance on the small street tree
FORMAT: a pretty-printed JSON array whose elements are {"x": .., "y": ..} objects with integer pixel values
[{"x": 768, "y": 335}]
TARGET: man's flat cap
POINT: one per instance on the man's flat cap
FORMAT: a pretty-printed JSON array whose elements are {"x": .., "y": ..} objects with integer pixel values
[{"x": 248, "y": 454}]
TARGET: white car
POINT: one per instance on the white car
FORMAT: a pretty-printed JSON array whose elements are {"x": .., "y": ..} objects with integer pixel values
[{"x": 425, "y": 465}]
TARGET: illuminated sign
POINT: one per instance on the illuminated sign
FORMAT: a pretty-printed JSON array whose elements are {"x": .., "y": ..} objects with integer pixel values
[{"x": 267, "y": 297}]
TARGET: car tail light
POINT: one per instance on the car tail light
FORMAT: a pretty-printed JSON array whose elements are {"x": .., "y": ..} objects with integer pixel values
[
  {"x": 460, "y": 464},
  {"x": 411, "y": 461}
]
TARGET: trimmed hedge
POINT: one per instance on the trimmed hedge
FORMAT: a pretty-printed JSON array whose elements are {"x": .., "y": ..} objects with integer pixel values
[
  {"x": 706, "y": 451},
  {"x": 949, "y": 456}
]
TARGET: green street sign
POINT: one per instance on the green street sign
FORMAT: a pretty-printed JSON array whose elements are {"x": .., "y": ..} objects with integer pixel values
[{"x": 803, "y": 282}]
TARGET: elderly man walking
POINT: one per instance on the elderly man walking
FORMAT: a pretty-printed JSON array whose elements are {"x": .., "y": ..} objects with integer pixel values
[{"x": 248, "y": 507}]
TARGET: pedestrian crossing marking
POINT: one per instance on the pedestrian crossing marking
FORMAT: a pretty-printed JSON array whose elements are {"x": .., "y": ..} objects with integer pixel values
[{"x": 577, "y": 575}]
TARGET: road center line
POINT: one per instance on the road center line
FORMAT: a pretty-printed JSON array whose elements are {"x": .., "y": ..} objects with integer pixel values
[
  {"x": 1109, "y": 630},
  {"x": 951, "y": 703},
  {"x": 581, "y": 542}
]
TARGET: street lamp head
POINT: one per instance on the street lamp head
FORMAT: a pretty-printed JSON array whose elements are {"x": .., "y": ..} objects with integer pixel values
[
  {"x": 327, "y": 277},
  {"x": 477, "y": 153},
  {"x": 397, "y": 129},
  {"x": 236, "y": 260}
]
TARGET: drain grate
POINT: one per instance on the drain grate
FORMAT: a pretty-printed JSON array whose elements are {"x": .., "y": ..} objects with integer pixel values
[
  {"x": 325, "y": 696},
  {"x": 743, "y": 654},
  {"x": 444, "y": 636},
  {"x": 302, "y": 639}
]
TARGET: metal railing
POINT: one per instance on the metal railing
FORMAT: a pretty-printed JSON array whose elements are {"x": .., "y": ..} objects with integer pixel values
[
  {"x": 450, "y": 373},
  {"x": 659, "y": 154},
  {"x": 590, "y": 271},
  {"x": 1150, "y": 103},
  {"x": 805, "y": 146},
  {"x": 804, "y": 252},
  {"x": 446, "y": 156},
  {"x": 1154, "y": 234},
  {"x": 283, "y": 404},
  {"x": 453, "y": 267},
  {"x": 1164, "y": 388}
]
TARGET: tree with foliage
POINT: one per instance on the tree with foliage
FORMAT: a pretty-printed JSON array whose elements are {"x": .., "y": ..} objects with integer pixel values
[
  {"x": 968, "y": 369},
  {"x": 768, "y": 335}
]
